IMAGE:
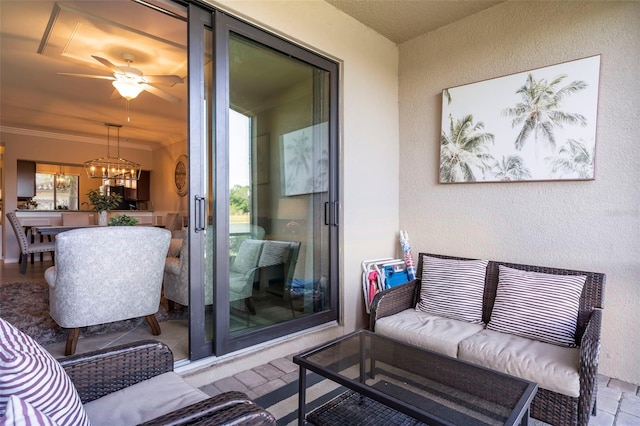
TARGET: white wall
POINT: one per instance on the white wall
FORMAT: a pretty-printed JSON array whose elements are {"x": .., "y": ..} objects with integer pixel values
[
  {"x": 369, "y": 124},
  {"x": 587, "y": 225}
]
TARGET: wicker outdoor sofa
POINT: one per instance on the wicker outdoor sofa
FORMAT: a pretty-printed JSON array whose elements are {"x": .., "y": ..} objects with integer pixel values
[
  {"x": 103, "y": 372},
  {"x": 392, "y": 311},
  {"x": 128, "y": 384}
]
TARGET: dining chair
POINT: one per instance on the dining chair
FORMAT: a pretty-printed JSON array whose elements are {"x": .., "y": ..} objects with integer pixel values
[
  {"x": 173, "y": 222},
  {"x": 27, "y": 246},
  {"x": 106, "y": 274}
]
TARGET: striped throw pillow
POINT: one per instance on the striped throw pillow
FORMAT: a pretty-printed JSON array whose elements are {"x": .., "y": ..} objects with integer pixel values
[
  {"x": 32, "y": 374},
  {"x": 537, "y": 306},
  {"x": 21, "y": 413},
  {"x": 453, "y": 288}
]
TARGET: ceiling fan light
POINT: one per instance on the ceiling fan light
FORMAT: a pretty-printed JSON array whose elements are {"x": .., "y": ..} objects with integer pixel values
[{"x": 128, "y": 90}]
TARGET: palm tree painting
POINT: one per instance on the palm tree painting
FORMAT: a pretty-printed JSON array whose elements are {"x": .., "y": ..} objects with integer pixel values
[
  {"x": 531, "y": 126},
  {"x": 305, "y": 155},
  {"x": 464, "y": 151}
]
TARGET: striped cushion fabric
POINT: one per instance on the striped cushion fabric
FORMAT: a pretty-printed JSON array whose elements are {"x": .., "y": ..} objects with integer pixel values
[
  {"x": 31, "y": 373},
  {"x": 538, "y": 306},
  {"x": 21, "y": 413},
  {"x": 274, "y": 253},
  {"x": 453, "y": 288}
]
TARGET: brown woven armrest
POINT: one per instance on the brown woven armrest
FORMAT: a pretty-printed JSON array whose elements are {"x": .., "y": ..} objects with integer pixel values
[
  {"x": 226, "y": 408},
  {"x": 99, "y": 373},
  {"x": 393, "y": 300},
  {"x": 589, "y": 353}
]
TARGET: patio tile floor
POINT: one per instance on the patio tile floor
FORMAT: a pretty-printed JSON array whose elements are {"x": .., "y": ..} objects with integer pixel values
[{"x": 618, "y": 401}]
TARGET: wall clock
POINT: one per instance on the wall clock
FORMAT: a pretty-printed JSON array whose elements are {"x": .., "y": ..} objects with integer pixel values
[{"x": 181, "y": 176}]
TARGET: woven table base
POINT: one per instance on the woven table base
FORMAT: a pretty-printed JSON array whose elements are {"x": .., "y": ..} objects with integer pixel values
[{"x": 353, "y": 409}]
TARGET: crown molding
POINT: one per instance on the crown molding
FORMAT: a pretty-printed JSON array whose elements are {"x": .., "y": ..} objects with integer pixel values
[{"x": 70, "y": 138}]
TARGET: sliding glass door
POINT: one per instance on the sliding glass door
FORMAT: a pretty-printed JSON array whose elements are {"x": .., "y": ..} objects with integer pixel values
[{"x": 263, "y": 167}]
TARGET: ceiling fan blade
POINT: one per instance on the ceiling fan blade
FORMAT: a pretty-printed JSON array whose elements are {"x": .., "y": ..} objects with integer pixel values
[
  {"x": 115, "y": 94},
  {"x": 107, "y": 64},
  {"x": 168, "y": 80},
  {"x": 161, "y": 93},
  {"x": 102, "y": 77}
]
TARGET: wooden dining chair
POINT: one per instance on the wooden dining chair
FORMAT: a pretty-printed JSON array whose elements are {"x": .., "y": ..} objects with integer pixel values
[{"x": 27, "y": 246}]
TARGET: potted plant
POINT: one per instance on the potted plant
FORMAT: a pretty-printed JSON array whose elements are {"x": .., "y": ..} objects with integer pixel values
[
  {"x": 123, "y": 220},
  {"x": 103, "y": 203}
]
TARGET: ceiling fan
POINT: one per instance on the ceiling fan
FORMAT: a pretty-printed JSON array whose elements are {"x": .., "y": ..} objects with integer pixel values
[{"x": 129, "y": 81}]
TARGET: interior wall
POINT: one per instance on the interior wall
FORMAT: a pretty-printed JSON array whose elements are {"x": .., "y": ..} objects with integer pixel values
[
  {"x": 164, "y": 196},
  {"x": 369, "y": 129},
  {"x": 586, "y": 225},
  {"x": 49, "y": 148}
]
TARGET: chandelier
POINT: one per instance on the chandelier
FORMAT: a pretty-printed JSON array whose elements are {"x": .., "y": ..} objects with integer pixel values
[
  {"x": 113, "y": 170},
  {"x": 61, "y": 179}
]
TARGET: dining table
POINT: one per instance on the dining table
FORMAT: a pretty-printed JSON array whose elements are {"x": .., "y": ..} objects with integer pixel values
[{"x": 56, "y": 229}]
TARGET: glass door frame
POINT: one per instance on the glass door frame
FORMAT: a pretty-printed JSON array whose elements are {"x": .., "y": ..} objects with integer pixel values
[
  {"x": 202, "y": 18},
  {"x": 199, "y": 22},
  {"x": 223, "y": 26}
]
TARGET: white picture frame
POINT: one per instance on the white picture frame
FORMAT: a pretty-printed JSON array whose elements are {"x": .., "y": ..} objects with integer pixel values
[
  {"x": 537, "y": 125},
  {"x": 305, "y": 160}
]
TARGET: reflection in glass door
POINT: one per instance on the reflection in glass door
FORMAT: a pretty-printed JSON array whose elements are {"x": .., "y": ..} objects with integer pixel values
[
  {"x": 276, "y": 275},
  {"x": 278, "y": 178}
]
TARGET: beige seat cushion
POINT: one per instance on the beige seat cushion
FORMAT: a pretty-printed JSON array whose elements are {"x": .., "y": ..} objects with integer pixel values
[
  {"x": 553, "y": 367},
  {"x": 143, "y": 401},
  {"x": 431, "y": 332}
]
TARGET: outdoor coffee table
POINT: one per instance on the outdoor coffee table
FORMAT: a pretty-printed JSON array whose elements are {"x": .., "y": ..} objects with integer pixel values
[{"x": 390, "y": 382}]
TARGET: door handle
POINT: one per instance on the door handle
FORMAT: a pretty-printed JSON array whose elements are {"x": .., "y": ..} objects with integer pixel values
[{"x": 199, "y": 213}]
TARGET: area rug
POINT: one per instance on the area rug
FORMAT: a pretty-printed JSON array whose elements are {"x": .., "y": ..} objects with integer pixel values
[{"x": 26, "y": 306}]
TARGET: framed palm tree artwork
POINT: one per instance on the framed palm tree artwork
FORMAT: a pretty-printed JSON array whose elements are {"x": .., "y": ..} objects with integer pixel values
[
  {"x": 305, "y": 160},
  {"x": 536, "y": 125}
]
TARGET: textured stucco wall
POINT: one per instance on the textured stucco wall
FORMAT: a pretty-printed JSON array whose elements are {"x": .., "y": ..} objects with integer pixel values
[{"x": 588, "y": 225}]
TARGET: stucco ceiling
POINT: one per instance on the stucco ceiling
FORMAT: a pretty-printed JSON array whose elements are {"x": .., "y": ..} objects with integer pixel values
[
  {"x": 402, "y": 20},
  {"x": 40, "y": 39}
]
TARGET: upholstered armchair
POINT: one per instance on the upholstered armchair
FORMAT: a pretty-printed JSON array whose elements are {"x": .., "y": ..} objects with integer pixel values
[
  {"x": 242, "y": 272},
  {"x": 259, "y": 261},
  {"x": 106, "y": 274},
  {"x": 26, "y": 246},
  {"x": 277, "y": 266},
  {"x": 176, "y": 276}
]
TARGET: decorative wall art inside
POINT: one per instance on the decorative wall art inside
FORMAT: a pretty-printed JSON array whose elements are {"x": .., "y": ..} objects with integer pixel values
[
  {"x": 532, "y": 126},
  {"x": 181, "y": 175},
  {"x": 305, "y": 160}
]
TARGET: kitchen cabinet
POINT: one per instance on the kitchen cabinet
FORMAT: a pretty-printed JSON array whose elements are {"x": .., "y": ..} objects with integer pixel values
[
  {"x": 144, "y": 186},
  {"x": 120, "y": 190},
  {"x": 26, "y": 179}
]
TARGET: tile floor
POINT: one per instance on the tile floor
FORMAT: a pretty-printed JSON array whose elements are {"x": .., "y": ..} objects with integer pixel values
[{"x": 618, "y": 401}]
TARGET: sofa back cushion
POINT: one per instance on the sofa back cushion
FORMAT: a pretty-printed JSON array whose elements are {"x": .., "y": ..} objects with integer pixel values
[
  {"x": 452, "y": 288},
  {"x": 536, "y": 305},
  {"x": 32, "y": 374}
]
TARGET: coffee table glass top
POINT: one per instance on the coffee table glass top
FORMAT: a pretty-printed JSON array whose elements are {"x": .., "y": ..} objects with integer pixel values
[{"x": 427, "y": 386}]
